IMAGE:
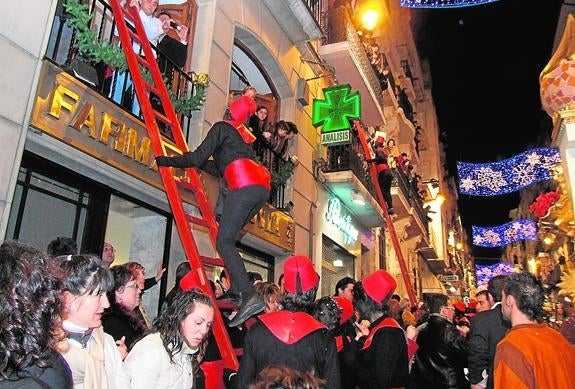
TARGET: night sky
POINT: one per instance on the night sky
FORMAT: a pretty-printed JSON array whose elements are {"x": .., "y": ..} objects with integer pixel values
[{"x": 485, "y": 64}]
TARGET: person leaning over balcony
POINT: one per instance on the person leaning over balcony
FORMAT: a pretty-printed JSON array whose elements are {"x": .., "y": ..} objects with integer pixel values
[
  {"x": 176, "y": 50},
  {"x": 384, "y": 174},
  {"x": 248, "y": 182}
]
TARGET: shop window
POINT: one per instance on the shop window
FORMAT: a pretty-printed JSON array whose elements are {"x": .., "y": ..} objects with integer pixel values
[
  {"x": 138, "y": 234},
  {"x": 45, "y": 208},
  {"x": 337, "y": 263}
]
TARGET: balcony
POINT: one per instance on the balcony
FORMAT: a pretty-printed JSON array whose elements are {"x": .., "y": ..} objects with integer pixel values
[
  {"x": 300, "y": 19},
  {"x": 114, "y": 95},
  {"x": 408, "y": 206},
  {"x": 346, "y": 53},
  {"x": 346, "y": 175}
]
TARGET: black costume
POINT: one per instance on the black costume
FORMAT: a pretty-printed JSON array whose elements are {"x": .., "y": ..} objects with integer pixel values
[
  {"x": 381, "y": 361},
  {"x": 384, "y": 177},
  {"x": 293, "y": 339},
  {"x": 248, "y": 187}
]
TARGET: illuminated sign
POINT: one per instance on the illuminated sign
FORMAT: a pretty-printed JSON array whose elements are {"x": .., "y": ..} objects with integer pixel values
[
  {"x": 335, "y": 216},
  {"x": 337, "y": 109},
  {"x": 335, "y": 137}
]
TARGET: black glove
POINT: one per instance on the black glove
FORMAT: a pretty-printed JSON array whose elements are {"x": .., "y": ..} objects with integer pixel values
[
  {"x": 162, "y": 160},
  {"x": 181, "y": 161}
]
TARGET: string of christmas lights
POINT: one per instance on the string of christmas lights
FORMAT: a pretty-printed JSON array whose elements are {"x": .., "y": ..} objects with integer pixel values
[
  {"x": 484, "y": 273},
  {"x": 504, "y": 234},
  {"x": 442, "y": 3},
  {"x": 509, "y": 175}
]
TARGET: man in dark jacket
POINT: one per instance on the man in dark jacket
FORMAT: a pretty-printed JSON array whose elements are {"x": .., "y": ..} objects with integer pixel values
[
  {"x": 291, "y": 337},
  {"x": 487, "y": 329},
  {"x": 442, "y": 353}
]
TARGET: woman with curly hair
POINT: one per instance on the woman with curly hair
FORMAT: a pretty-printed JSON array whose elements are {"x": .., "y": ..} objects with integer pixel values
[
  {"x": 30, "y": 325},
  {"x": 120, "y": 320},
  {"x": 169, "y": 356},
  {"x": 92, "y": 355}
]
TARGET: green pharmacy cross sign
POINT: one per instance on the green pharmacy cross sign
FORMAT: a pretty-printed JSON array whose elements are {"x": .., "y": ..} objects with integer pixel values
[{"x": 339, "y": 106}]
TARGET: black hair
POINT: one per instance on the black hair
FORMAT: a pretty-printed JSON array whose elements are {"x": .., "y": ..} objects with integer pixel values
[
  {"x": 121, "y": 276},
  {"x": 366, "y": 307},
  {"x": 327, "y": 312},
  {"x": 254, "y": 276},
  {"x": 341, "y": 284},
  {"x": 436, "y": 301},
  {"x": 62, "y": 246},
  {"x": 299, "y": 302},
  {"x": 181, "y": 271},
  {"x": 495, "y": 286},
  {"x": 528, "y": 293},
  {"x": 84, "y": 274},
  {"x": 29, "y": 309}
]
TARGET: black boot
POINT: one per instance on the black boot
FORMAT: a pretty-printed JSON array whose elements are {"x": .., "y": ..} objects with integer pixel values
[
  {"x": 231, "y": 298},
  {"x": 252, "y": 303}
]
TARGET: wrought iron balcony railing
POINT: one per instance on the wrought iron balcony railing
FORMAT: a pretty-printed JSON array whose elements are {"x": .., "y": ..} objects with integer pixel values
[
  {"x": 111, "y": 84},
  {"x": 349, "y": 157},
  {"x": 340, "y": 28}
]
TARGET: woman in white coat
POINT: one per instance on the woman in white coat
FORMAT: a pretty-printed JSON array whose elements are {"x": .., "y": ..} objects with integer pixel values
[{"x": 169, "y": 356}]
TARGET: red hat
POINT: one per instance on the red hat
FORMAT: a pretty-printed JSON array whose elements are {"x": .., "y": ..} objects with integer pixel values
[
  {"x": 299, "y": 274},
  {"x": 380, "y": 140},
  {"x": 346, "y": 308},
  {"x": 379, "y": 286},
  {"x": 460, "y": 306},
  {"x": 188, "y": 282},
  {"x": 472, "y": 304},
  {"x": 242, "y": 108}
]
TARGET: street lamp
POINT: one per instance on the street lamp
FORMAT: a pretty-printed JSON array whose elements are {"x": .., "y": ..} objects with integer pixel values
[{"x": 369, "y": 15}]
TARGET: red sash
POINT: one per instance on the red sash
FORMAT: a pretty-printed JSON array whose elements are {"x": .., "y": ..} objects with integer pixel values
[
  {"x": 382, "y": 167},
  {"x": 290, "y": 327},
  {"x": 387, "y": 322},
  {"x": 246, "y": 134},
  {"x": 245, "y": 172}
]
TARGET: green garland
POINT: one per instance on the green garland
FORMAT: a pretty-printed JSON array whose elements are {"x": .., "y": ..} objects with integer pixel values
[
  {"x": 92, "y": 48},
  {"x": 283, "y": 173},
  {"x": 87, "y": 41}
]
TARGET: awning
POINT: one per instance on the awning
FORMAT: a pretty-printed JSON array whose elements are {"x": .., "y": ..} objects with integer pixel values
[
  {"x": 429, "y": 282},
  {"x": 435, "y": 264}
]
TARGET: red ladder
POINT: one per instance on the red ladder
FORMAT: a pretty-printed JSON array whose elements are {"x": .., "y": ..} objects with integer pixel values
[
  {"x": 184, "y": 221},
  {"x": 388, "y": 219}
]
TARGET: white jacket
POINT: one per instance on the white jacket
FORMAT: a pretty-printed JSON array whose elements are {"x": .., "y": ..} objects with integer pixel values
[{"x": 149, "y": 365}]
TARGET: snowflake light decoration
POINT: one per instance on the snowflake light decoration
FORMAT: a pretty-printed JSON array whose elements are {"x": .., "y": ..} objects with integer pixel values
[
  {"x": 484, "y": 273},
  {"x": 509, "y": 175},
  {"x": 442, "y": 3},
  {"x": 504, "y": 234}
]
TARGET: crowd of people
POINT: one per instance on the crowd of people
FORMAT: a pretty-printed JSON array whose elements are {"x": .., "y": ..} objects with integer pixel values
[{"x": 70, "y": 321}]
